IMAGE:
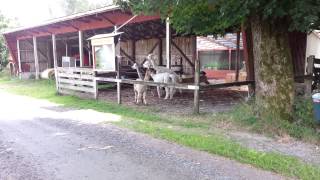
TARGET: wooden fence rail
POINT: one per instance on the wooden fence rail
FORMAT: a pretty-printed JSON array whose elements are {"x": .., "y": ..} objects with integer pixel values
[
  {"x": 83, "y": 82},
  {"x": 76, "y": 81}
]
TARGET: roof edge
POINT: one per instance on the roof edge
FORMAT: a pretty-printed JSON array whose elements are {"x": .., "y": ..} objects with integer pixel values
[{"x": 65, "y": 18}]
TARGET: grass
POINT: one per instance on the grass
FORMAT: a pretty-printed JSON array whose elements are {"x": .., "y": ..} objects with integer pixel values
[
  {"x": 219, "y": 145},
  {"x": 302, "y": 126},
  {"x": 189, "y": 131}
]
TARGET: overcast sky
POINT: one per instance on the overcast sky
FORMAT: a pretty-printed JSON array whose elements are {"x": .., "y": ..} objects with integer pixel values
[{"x": 30, "y": 12}]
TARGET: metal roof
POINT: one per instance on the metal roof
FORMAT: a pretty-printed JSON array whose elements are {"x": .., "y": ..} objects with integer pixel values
[
  {"x": 204, "y": 44},
  {"x": 66, "y": 18},
  {"x": 99, "y": 36},
  {"x": 228, "y": 41}
]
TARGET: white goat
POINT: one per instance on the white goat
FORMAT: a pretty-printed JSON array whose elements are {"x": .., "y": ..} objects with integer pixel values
[{"x": 140, "y": 90}]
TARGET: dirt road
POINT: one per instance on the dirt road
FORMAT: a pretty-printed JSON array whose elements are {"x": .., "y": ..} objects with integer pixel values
[{"x": 42, "y": 140}]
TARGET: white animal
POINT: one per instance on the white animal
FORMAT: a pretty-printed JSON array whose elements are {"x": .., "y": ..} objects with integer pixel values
[
  {"x": 160, "y": 69},
  {"x": 140, "y": 90},
  {"x": 162, "y": 78}
]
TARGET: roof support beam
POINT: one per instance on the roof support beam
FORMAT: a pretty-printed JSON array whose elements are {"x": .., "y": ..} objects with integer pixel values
[
  {"x": 230, "y": 58},
  {"x": 36, "y": 59},
  {"x": 81, "y": 47},
  {"x": 55, "y": 63},
  {"x": 238, "y": 56},
  {"x": 19, "y": 58},
  {"x": 168, "y": 43},
  {"x": 160, "y": 52},
  {"x": 108, "y": 19}
]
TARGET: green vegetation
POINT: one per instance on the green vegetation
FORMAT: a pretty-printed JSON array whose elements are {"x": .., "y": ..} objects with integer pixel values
[
  {"x": 3, "y": 48},
  {"x": 217, "y": 65},
  {"x": 269, "y": 23},
  {"x": 219, "y": 145},
  {"x": 193, "y": 131},
  {"x": 302, "y": 127}
]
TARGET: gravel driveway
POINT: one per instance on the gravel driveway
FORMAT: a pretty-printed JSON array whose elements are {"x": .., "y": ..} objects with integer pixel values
[{"x": 42, "y": 140}]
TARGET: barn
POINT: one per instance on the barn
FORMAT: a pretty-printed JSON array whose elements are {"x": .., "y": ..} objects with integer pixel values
[{"x": 66, "y": 45}]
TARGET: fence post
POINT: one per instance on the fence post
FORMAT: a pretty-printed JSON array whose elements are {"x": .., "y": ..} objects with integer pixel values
[
  {"x": 118, "y": 59},
  {"x": 196, "y": 90},
  {"x": 95, "y": 86},
  {"x": 308, "y": 80}
]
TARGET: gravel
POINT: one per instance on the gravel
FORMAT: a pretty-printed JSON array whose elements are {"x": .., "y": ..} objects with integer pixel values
[{"x": 41, "y": 140}]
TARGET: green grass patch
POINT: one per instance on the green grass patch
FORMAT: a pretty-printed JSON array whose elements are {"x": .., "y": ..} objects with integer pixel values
[
  {"x": 219, "y": 145},
  {"x": 302, "y": 126},
  {"x": 157, "y": 126}
]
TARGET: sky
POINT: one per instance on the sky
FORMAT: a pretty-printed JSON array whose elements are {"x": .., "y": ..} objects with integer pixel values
[{"x": 29, "y": 12}]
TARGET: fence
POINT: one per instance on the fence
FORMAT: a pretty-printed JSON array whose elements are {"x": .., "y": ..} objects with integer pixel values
[{"x": 76, "y": 81}]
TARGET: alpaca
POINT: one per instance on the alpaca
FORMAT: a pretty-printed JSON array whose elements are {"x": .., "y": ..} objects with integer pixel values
[
  {"x": 140, "y": 90},
  {"x": 162, "y": 78},
  {"x": 159, "y": 69}
]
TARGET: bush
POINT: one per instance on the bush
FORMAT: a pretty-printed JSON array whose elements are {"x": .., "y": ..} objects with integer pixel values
[{"x": 303, "y": 113}]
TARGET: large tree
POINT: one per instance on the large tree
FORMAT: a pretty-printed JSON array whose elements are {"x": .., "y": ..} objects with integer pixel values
[
  {"x": 269, "y": 22},
  {"x": 3, "y": 48}
]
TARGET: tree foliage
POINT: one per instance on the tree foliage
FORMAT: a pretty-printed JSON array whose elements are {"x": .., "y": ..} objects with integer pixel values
[
  {"x": 268, "y": 23},
  {"x": 3, "y": 48},
  {"x": 76, "y": 6},
  {"x": 217, "y": 16}
]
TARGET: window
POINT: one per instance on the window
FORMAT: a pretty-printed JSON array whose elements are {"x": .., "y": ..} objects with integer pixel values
[{"x": 105, "y": 57}]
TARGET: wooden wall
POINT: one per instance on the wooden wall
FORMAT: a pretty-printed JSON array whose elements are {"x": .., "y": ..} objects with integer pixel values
[
  {"x": 143, "y": 48},
  {"x": 27, "y": 55}
]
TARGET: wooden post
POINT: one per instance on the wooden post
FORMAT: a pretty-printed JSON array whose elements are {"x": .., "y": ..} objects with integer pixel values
[
  {"x": 249, "y": 59},
  {"x": 89, "y": 54},
  {"x": 133, "y": 53},
  {"x": 309, "y": 71},
  {"x": 118, "y": 83},
  {"x": 230, "y": 58},
  {"x": 95, "y": 86},
  {"x": 55, "y": 62},
  {"x": 49, "y": 60},
  {"x": 168, "y": 43},
  {"x": 36, "y": 59},
  {"x": 81, "y": 48},
  {"x": 196, "y": 83},
  {"x": 19, "y": 59},
  {"x": 238, "y": 56},
  {"x": 196, "y": 75},
  {"x": 160, "y": 52},
  {"x": 118, "y": 56},
  {"x": 66, "y": 48}
]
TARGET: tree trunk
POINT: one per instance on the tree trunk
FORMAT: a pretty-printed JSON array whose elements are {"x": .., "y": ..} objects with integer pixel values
[{"x": 273, "y": 69}]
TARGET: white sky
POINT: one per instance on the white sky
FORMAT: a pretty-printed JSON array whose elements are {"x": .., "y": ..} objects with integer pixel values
[{"x": 30, "y": 12}]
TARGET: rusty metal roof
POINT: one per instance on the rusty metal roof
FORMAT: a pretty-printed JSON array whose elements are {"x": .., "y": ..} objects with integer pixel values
[
  {"x": 228, "y": 41},
  {"x": 66, "y": 18}
]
